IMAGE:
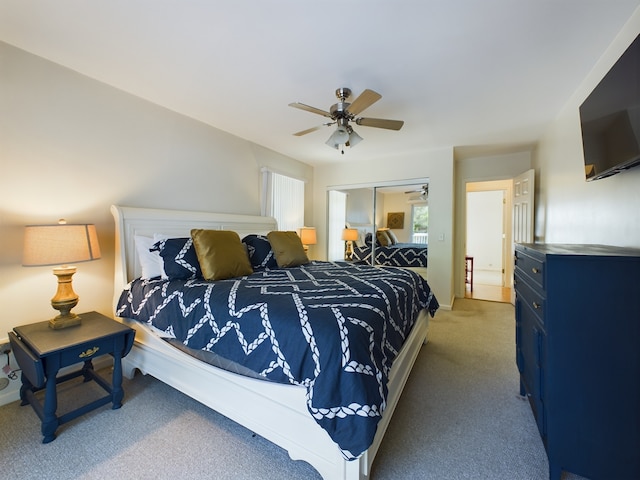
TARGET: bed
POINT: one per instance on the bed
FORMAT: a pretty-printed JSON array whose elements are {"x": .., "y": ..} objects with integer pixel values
[
  {"x": 284, "y": 413},
  {"x": 391, "y": 253}
]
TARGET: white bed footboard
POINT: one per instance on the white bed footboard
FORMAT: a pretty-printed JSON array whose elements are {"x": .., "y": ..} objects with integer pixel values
[{"x": 274, "y": 411}]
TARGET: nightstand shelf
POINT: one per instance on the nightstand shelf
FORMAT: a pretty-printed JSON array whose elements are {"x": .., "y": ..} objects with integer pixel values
[{"x": 41, "y": 352}]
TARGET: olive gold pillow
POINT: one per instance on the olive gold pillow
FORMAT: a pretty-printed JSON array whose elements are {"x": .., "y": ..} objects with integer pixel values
[
  {"x": 383, "y": 238},
  {"x": 392, "y": 237},
  {"x": 221, "y": 254},
  {"x": 287, "y": 248}
]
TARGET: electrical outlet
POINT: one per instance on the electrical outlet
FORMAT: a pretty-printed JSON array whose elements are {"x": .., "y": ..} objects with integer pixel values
[{"x": 5, "y": 348}]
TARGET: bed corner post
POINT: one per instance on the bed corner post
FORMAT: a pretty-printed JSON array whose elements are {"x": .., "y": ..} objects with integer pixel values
[{"x": 120, "y": 270}]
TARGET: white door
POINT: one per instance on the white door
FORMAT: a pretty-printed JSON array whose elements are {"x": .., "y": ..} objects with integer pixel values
[{"x": 523, "y": 207}]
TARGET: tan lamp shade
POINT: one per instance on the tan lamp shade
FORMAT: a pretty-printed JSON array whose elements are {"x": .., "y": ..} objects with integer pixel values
[
  {"x": 308, "y": 235},
  {"x": 350, "y": 234},
  {"x": 61, "y": 245}
]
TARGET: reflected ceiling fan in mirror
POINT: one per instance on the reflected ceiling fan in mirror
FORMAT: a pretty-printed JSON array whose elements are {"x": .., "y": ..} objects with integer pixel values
[
  {"x": 422, "y": 194},
  {"x": 423, "y": 190},
  {"x": 344, "y": 112}
]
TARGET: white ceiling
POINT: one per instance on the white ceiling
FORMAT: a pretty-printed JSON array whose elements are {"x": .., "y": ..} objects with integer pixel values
[{"x": 463, "y": 73}]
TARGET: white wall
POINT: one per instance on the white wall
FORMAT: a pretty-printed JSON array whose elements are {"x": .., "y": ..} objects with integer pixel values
[
  {"x": 360, "y": 207},
  {"x": 71, "y": 146},
  {"x": 397, "y": 202},
  {"x": 569, "y": 209},
  {"x": 437, "y": 165}
]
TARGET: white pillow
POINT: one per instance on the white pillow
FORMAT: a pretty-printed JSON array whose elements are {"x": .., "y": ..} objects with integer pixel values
[{"x": 150, "y": 262}]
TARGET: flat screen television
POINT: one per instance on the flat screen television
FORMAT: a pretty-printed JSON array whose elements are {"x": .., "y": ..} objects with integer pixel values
[{"x": 610, "y": 119}]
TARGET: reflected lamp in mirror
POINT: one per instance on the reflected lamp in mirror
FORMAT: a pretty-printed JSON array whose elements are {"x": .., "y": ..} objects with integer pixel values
[
  {"x": 349, "y": 235},
  {"x": 308, "y": 237},
  {"x": 60, "y": 245}
]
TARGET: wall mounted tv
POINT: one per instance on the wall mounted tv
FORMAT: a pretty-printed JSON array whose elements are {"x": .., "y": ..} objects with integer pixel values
[{"x": 610, "y": 119}]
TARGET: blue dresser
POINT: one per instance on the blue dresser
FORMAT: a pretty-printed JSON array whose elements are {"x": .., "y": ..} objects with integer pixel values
[{"x": 578, "y": 354}]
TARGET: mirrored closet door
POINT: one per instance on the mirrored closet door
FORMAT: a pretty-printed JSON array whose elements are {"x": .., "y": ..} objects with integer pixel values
[{"x": 391, "y": 218}]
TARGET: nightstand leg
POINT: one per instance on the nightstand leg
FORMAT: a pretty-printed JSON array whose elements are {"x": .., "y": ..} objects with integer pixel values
[
  {"x": 116, "y": 382},
  {"x": 26, "y": 387},
  {"x": 86, "y": 371},
  {"x": 50, "y": 420}
]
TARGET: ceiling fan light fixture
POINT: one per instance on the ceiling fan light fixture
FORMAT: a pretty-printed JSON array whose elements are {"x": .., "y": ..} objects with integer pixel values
[
  {"x": 354, "y": 138},
  {"x": 339, "y": 137},
  {"x": 418, "y": 199}
]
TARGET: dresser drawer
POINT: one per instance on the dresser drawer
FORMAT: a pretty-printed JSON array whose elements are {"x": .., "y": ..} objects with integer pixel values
[
  {"x": 530, "y": 297},
  {"x": 531, "y": 267},
  {"x": 531, "y": 360}
]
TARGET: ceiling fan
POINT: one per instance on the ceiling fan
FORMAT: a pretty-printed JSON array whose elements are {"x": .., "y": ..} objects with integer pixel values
[
  {"x": 418, "y": 196},
  {"x": 423, "y": 190},
  {"x": 342, "y": 113}
]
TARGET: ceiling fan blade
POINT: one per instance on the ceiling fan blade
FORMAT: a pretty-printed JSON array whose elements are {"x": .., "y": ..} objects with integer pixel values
[
  {"x": 364, "y": 100},
  {"x": 380, "y": 123},
  {"x": 307, "y": 108},
  {"x": 309, "y": 130}
]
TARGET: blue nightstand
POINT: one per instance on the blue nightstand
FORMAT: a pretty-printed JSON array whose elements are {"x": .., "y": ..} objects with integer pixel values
[{"x": 41, "y": 352}]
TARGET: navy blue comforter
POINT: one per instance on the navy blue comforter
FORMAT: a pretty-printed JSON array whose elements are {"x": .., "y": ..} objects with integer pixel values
[
  {"x": 398, "y": 255},
  {"x": 332, "y": 327}
]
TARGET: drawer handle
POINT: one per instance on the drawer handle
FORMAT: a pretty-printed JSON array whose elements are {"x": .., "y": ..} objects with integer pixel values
[
  {"x": 536, "y": 305},
  {"x": 535, "y": 270},
  {"x": 89, "y": 352}
]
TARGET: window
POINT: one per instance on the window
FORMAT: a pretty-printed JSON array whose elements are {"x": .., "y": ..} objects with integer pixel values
[
  {"x": 420, "y": 223},
  {"x": 283, "y": 199}
]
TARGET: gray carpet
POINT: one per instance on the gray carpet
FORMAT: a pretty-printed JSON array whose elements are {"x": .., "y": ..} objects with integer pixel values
[{"x": 460, "y": 417}]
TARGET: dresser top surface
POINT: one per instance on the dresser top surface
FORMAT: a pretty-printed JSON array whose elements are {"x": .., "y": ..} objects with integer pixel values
[{"x": 581, "y": 249}]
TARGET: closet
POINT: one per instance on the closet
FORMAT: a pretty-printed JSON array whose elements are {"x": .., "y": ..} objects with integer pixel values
[{"x": 366, "y": 208}]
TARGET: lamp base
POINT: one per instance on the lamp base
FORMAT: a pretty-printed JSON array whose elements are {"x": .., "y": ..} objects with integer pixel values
[
  {"x": 61, "y": 321},
  {"x": 65, "y": 299},
  {"x": 348, "y": 254}
]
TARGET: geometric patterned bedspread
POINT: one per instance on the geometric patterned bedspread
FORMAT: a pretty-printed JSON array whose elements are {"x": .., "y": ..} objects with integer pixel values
[
  {"x": 332, "y": 327},
  {"x": 398, "y": 255}
]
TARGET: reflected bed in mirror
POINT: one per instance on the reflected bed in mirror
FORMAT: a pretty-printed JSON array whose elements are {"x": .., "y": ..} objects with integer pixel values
[{"x": 392, "y": 220}]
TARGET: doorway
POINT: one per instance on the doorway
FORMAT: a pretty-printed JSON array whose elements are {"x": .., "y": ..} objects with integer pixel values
[{"x": 488, "y": 240}]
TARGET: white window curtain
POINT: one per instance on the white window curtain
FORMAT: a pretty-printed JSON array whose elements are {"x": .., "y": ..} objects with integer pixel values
[{"x": 283, "y": 199}]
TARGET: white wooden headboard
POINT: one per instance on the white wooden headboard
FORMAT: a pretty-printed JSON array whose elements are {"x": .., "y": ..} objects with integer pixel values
[{"x": 131, "y": 221}]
